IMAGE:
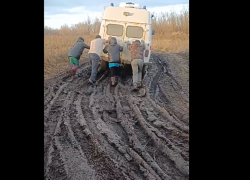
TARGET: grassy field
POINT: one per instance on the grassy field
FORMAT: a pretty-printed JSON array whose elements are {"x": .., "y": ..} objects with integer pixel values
[{"x": 172, "y": 35}]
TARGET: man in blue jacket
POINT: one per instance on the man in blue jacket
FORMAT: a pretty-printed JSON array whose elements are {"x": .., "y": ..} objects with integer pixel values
[{"x": 75, "y": 54}]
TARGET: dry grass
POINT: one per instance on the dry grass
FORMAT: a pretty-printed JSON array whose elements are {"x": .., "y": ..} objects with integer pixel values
[{"x": 172, "y": 35}]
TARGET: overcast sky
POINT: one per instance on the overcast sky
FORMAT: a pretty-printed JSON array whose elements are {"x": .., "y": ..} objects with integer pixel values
[{"x": 60, "y": 12}]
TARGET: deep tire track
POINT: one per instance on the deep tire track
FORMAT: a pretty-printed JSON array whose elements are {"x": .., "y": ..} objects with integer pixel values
[
  {"x": 110, "y": 150},
  {"x": 134, "y": 142},
  {"x": 104, "y": 166},
  {"x": 155, "y": 84}
]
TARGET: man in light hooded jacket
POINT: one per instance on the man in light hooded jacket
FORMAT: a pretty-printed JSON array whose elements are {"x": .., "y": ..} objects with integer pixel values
[
  {"x": 95, "y": 51},
  {"x": 75, "y": 54}
]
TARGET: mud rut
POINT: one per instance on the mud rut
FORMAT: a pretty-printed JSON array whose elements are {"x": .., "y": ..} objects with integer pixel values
[{"x": 106, "y": 132}]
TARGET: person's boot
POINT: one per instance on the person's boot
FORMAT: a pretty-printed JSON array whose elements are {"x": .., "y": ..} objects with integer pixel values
[
  {"x": 73, "y": 75},
  {"x": 134, "y": 88},
  {"x": 71, "y": 79},
  {"x": 139, "y": 84},
  {"x": 112, "y": 81},
  {"x": 70, "y": 72},
  {"x": 90, "y": 82}
]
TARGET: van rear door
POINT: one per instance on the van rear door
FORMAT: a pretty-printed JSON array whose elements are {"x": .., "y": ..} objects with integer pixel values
[
  {"x": 114, "y": 29},
  {"x": 135, "y": 31}
]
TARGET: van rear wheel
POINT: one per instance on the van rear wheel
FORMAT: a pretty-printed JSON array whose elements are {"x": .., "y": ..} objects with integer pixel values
[{"x": 144, "y": 70}]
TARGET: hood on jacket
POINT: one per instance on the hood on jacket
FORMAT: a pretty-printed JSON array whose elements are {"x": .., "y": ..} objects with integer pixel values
[
  {"x": 98, "y": 36},
  {"x": 80, "y": 39},
  {"x": 137, "y": 43},
  {"x": 113, "y": 41}
]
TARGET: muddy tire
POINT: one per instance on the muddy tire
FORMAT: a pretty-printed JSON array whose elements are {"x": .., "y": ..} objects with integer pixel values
[
  {"x": 126, "y": 70},
  {"x": 103, "y": 66},
  {"x": 144, "y": 70}
]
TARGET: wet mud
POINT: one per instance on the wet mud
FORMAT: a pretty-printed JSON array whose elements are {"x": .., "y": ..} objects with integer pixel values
[{"x": 103, "y": 132}]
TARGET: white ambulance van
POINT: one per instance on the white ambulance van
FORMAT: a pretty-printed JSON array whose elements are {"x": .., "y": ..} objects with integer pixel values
[{"x": 128, "y": 22}]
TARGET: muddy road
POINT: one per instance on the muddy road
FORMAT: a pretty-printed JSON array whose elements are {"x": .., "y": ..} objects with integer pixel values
[{"x": 103, "y": 132}]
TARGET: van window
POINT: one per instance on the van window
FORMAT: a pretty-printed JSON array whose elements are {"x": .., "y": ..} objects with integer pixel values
[
  {"x": 134, "y": 32},
  {"x": 114, "y": 30}
]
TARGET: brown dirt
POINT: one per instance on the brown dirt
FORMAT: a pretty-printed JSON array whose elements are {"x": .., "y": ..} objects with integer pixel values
[{"x": 103, "y": 132}]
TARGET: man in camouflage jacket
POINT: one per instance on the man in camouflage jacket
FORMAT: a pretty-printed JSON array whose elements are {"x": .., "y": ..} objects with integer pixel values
[{"x": 137, "y": 54}]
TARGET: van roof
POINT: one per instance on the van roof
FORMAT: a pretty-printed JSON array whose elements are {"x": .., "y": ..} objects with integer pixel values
[{"x": 135, "y": 15}]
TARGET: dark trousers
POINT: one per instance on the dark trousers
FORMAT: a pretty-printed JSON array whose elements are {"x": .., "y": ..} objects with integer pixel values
[
  {"x": 114, "y": 71},
  {"x": 94, "y": 60}
]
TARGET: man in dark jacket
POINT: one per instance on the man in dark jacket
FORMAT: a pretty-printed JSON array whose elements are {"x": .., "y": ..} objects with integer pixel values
[
  {"x": 75, "y": 54},
  {"x": 113, "y": 50},
  {"x": 137, "y": 56}
]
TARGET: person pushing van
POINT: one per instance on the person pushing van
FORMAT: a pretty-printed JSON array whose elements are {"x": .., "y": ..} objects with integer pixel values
[
  {"x": 74, "y": 56},
  {"x": 137, "y": 55},
  {"x": 113, "y": 50},
  {"x": 94, "y": 56}
]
